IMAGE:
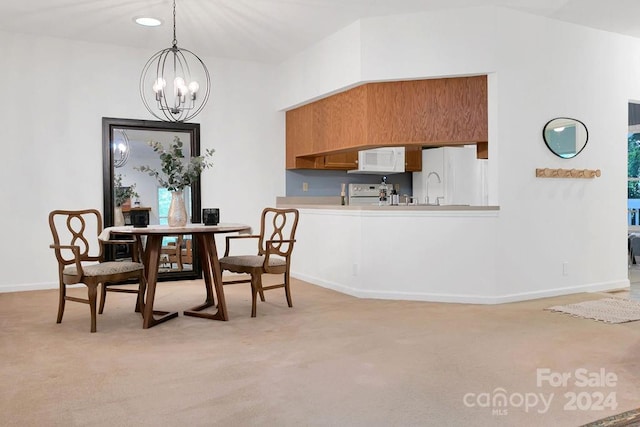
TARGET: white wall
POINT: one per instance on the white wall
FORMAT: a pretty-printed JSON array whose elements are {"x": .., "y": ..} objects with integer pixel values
[
  {"x": 538, "y": 69},
  {"x": 331, "y": 65},
  {"x": 55, "y": 93}
]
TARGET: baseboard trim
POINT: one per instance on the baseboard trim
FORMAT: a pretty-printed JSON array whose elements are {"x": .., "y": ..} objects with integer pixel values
[
  {"x": 461, "y": 298},
  {"x": 398, "y": 295},
  {"x": 29, "y": 287}
]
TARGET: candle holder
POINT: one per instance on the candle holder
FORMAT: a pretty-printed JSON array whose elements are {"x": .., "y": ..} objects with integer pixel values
[{"x": 211, "y": 216}]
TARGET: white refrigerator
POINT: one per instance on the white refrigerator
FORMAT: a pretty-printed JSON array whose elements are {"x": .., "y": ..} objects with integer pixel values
[{"x": 451, "y": 176}]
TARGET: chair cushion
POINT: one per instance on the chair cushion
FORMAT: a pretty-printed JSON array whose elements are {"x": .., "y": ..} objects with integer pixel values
[
  {"x": 252, "y": 261},
  {"x": 104, "y": 268}
]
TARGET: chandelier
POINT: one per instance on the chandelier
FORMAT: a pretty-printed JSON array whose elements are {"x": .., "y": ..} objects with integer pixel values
[
  {"x": 169, "y": 85},
  {"x": 121, "y": 148}
]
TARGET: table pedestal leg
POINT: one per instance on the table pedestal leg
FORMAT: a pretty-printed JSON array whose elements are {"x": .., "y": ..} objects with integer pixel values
[
  {"x": 151, "y": 259},
  {"x": 212, "y": 277}
]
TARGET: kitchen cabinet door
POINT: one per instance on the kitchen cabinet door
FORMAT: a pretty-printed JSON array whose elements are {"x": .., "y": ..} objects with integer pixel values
[
  {"x": 300, "y": 136},
  {"x": 342, "y": 161},
  {"x": 413, "y": 159}
]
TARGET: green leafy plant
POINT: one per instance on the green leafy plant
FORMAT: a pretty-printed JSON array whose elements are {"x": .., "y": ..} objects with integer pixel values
[
  {"x": 633, "y": 165},
  {"x": 176, "y": 172},
  {"x": 122, "y": 194}
]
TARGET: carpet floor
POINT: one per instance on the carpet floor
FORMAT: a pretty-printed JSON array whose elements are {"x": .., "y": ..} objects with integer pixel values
[{"x": 331, "y": 360}]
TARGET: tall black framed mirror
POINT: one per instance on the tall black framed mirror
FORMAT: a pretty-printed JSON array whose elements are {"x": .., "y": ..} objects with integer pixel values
[{"x": 125, "y": 146}]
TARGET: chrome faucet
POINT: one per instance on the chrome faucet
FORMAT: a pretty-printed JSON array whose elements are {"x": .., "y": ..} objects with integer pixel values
[{"x": 427, "y": 184}]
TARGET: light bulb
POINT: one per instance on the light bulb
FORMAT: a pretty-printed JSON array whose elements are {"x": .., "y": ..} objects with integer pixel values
[
  {"x": 179, "y": 82},
  {"x": 159, "y": 85},
  {"x": 179, "y": 86},
  {"x": 122, "y": 147},
  {"x": 194, "y": 87}
]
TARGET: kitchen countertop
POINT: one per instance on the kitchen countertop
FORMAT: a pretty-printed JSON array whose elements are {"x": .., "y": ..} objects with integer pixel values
[
  {"x": 330, "y": 203},
  {"x": 394, "y": 208}
]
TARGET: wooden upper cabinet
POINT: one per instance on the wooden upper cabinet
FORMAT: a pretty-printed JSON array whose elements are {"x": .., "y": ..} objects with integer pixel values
[
  {"x": 341, "y": 161},
  {"x": 413, "y": 159},
  {"x": 339, "y": 120},
  {"x": 428, "y": 111},
  {"x": 405, "y": 113},
  {"x": 299, "y": 134}
]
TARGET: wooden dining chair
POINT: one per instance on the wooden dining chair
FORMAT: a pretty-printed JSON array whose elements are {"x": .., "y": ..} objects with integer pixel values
[
  {"x": 275, "y": 245},
  {"x": 80, "y": 255},
  {"x": 172, "y": 253},
  {"x": 186, "y": 253}
]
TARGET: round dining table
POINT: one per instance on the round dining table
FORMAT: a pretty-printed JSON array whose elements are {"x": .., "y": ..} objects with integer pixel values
[{"x": 204, "y": 236}]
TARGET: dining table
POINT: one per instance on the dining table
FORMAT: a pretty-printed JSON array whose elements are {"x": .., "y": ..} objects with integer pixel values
[{"x": 204, "y": 236}]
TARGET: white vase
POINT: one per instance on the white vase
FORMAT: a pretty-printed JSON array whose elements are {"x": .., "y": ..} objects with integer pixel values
[
  {"x": 177, "y": 210},
  {"x": 118, "y": 217}
]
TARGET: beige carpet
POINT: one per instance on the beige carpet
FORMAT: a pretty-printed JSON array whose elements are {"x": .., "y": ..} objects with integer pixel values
[
  {"x": 331, "y": 360},
  {"x": 609, "y": 310}
]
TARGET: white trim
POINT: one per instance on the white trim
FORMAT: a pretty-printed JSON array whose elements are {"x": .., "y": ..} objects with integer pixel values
[
  {"x": 461, "y": 298},
  {"x": 34, "y": 287}
]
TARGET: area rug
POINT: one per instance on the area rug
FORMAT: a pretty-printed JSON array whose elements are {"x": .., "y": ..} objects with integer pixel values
[
  {"x": 626, "y": 419},
  {"x": 609, "y": 310}
]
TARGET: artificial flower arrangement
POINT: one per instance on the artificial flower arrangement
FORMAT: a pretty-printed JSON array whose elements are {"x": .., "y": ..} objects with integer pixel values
[{"x": 176, "y": 173}]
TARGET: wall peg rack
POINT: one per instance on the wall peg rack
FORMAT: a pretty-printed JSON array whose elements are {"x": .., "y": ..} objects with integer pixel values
[{"x": 567, "y": 173}]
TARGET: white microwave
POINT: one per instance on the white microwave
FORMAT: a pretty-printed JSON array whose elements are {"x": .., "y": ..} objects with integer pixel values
[{"x": 380, "y": 160}]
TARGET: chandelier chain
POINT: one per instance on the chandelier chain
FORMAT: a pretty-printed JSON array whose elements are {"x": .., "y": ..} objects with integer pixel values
[{"x": 175, "y": 40}]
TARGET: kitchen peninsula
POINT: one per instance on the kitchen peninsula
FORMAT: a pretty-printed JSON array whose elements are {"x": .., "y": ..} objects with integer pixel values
[
  {"x": 423, "y": 253},
  {"x": 409, "y": 252}
]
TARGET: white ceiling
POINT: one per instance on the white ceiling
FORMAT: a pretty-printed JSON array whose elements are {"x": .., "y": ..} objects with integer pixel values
[{"x": 265, "y": 30}]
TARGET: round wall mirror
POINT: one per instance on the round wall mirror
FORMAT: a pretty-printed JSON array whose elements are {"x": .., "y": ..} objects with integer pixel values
[{"x": 565, "y": 137}]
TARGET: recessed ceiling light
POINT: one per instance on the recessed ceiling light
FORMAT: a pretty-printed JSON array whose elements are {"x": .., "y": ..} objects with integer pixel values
[{"x": 147, "y": 22}]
